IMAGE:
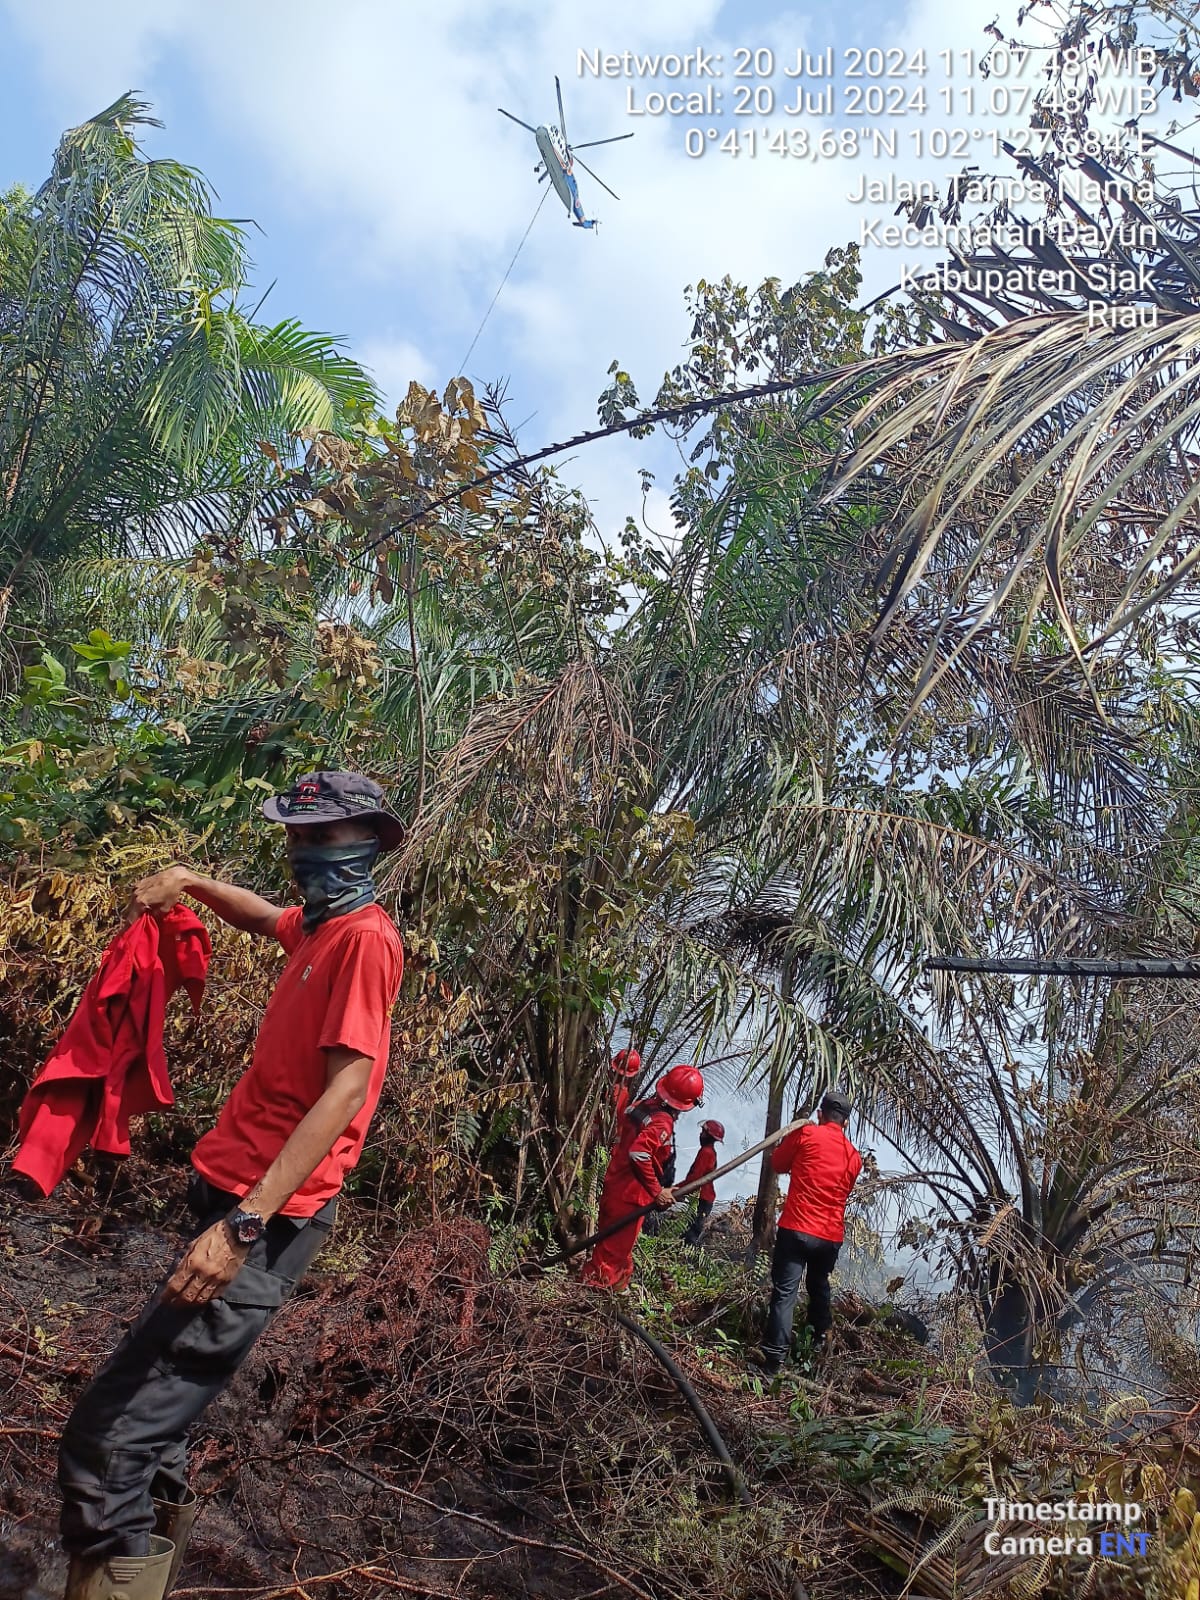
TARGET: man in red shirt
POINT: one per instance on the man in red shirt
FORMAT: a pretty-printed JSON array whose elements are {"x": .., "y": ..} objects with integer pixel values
[
  {"x": 264, "y": 1185},
  {"x": 822, "y": 1167},
  {"x": 711, "y": 1134}
]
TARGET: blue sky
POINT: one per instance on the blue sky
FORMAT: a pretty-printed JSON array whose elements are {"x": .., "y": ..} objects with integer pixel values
[{"x": 364, "y": 141}]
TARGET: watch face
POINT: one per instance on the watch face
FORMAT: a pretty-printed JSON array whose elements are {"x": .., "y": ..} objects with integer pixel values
[{"x": 246, "y": 1226}]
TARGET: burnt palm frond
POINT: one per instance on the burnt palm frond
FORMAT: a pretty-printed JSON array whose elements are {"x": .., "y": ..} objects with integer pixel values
[{"x": 1037, "y": 454}]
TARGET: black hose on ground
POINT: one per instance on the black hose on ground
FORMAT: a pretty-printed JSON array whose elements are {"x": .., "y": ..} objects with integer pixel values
[{"x": 720, "y": 1449}]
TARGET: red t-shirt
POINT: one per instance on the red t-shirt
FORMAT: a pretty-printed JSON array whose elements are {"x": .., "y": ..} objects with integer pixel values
[
  {"x": 338, "y": 988},
  {"x": 822, "y": 1167},
  {"x": 706, "y": 1161}
]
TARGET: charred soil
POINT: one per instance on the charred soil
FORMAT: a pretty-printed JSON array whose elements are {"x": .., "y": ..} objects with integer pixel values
[{"x": 428, "y": 1425}]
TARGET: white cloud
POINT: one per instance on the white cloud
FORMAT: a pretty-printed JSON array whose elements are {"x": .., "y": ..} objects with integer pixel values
[
  {"x": 394, "y": 362},
  {"x": 87, "y": 59}
]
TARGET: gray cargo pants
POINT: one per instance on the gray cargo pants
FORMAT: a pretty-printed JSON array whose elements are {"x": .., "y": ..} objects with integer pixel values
[{"x": 125, "y": 1443}]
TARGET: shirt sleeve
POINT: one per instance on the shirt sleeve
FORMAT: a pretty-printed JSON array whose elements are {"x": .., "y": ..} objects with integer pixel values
[
  {"x": 364, "y": 992},
  {"x": 856, "y": 1167},
  {"x": 288, "y": 929},
  {"x": 785, "y": 1151},
  {"x": 641, "y": 1156}
]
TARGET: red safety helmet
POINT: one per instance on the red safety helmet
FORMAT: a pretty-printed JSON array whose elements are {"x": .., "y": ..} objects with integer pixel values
[
  {"x": 627, "y": 1063},
  {"x": 714, "y": 1129},
  {"x": 682, "y": 1088}
]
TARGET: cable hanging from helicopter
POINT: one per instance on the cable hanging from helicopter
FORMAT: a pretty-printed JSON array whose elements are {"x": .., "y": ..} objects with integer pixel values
[{"x": 558, "y": 160}]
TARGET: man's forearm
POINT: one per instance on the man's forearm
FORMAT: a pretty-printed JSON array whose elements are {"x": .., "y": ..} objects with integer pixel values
[
  {"x": 307, "y": 1146},
  {"x": 214, "y": 1259},
  {"x": 241, "y": 908},
  {"x": 647, "y": 1179}
]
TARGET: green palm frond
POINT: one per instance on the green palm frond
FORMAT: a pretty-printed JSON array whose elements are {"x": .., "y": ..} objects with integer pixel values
[
  {"x": 192, "y": 396},
  {"x": 133, "y": 393},
  {"x": 152, "y": 601},
  {"x": 300, "y": 380}
]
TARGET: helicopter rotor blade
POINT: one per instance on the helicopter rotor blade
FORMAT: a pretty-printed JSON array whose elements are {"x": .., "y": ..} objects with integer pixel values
[
  {"x": 517, "y": 120},
  {"x": 600, "y": 181},
  {"x": 592, "y": 143},
  {"x": 562, "y": 115}
]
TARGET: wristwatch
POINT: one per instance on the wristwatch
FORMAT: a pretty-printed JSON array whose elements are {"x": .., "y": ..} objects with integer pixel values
[{"x": 245, "y": 1226}]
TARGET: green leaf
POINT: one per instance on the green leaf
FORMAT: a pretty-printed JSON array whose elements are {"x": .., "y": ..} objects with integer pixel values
[{"x": 102, "y": 647}]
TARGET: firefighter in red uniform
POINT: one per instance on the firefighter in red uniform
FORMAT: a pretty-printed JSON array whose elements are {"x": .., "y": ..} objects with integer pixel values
[
  {"x": 626, "y": 1065},
  {"x": 711, "y": 1134},
  {"x": 644, "y": 1150}
]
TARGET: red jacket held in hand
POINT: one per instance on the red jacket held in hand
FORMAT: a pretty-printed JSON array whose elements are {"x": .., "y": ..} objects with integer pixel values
[{"x": 109, "y": 1064}]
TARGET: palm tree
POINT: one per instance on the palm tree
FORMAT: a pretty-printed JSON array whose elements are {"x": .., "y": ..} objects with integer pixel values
[
  {"x": 1046, "y": 441},
  {"x": 1020, "y": 810},
  {"x": 140, "y": 404},
  {"x": 639, "y": 786}
]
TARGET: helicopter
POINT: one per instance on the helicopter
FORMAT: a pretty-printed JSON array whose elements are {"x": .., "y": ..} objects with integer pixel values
[{"x": 558, "y": 159}]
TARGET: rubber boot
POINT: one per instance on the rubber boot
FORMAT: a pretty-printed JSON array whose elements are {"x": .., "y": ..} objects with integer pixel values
[
  {"x": 174, "y": 1522},
  {"x": 122, "y": 1577}
]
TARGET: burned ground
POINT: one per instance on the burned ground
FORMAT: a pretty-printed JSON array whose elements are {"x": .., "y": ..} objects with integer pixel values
[
  {"x": 426, "y": 1421},
  {"x": 422, "y": 1425}
]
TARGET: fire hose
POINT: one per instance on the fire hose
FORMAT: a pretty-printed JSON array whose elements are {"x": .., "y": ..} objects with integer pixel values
[
  {"x": 719, "y": 1448},
  {"x": 680, "y": 1193}
]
